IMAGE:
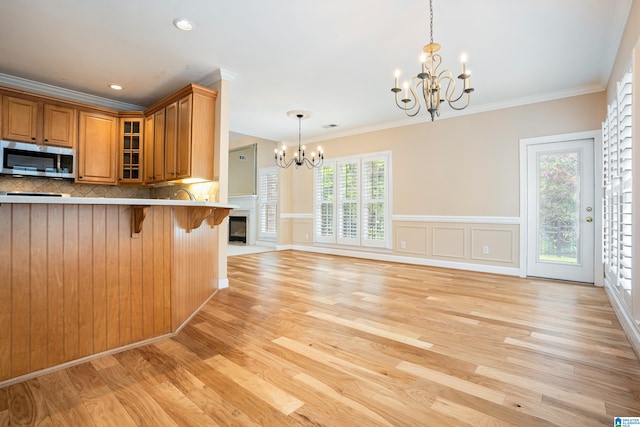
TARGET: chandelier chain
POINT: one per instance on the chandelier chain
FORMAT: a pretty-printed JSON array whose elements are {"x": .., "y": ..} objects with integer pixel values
[{"x": 431, "y": 21}]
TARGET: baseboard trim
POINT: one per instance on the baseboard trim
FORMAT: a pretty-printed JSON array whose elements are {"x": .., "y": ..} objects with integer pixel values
[
  {"x": 35, "y": 374},
  {"x": 627, "y": 323}
]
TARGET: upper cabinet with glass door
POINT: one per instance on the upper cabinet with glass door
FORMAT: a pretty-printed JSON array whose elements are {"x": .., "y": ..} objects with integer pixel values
[{"x": 131, "y": 138}]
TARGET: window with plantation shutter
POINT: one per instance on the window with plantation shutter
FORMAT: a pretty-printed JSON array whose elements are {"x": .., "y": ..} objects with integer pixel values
[
  {"x": 267, "y": 203},
  {"x": 352, "y": 201},
  {"x": 348, "y": 203},
  {"x": 374, "y": 213},
  {"x": 618, "y": 201},
  {"x": 325, "y": 203}
]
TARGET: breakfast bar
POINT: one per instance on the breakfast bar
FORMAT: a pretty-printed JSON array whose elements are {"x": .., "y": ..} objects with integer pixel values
[{"x": 85, "y": 276}]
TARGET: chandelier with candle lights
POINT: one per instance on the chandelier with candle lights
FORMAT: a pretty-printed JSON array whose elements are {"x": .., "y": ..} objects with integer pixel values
[
  {"x": 430, "y": 81},
  {"x": 299, "y": 157}
]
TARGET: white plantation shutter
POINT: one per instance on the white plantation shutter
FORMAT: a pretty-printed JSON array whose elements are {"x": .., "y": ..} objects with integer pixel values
[
  {"x": 374, "y": 206},
  {"x": 348, "y": 203},
  {"x": 611, "y": 189},
  {"x": 617, "y": 181},
  {"x": 267, "y": 203},
  {"x": 352, "y": 201},
  {"x": 625, "y": 178},
  {"x": 325, "y": 203}
]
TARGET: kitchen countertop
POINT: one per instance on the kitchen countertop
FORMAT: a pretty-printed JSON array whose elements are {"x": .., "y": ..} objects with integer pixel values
[{"x": 110, "y": 201}]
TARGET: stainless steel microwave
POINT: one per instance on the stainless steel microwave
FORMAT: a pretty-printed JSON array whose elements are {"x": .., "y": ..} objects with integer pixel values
[{"x": 24, "y": 159}]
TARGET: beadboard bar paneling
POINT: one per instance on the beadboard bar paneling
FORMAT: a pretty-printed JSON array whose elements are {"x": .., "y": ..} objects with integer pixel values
[
  {"x": 76, "y": 282},
  {"x": 191, "y": 248}
]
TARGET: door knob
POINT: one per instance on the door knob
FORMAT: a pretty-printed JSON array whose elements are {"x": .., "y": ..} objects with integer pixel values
[{"x": 588, "y": 219}]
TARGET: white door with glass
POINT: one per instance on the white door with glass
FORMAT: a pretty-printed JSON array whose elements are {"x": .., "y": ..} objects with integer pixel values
[{"x": 561, "y": 216}]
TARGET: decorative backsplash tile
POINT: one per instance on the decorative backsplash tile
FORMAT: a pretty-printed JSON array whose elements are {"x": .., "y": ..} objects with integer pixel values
[{"x": 11, "y": 183}]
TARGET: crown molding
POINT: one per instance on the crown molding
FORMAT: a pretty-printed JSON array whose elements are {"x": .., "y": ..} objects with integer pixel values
[
  {"x": 68, "y": 94},
  {"x": 217, "y": 75}
]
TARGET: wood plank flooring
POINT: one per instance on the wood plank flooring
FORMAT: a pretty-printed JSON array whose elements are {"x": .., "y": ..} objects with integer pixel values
[{"x": 314, "y": 340}]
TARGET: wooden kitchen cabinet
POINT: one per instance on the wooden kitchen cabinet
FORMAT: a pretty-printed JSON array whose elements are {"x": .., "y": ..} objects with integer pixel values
[
  {"x": 131, "y": 151},
  {"x": 19, "y": 121},
  {"x": 154, "y": 137},
  {"x": 97, "y": 143},
  {"x": 27, "y": 120},
  {"x": 189, "y": 117}
]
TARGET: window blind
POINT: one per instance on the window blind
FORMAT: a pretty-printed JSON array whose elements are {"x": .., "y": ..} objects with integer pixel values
[
  {"x": 325, "y": 203},
  {"x": 267, "y": 203},
  {"x": 352, "y": 201},
  {"x": 625, "y": 177},
  {"x": 374, "y": 204},
  {"x": 617, "y": 173},
  {"x": 348, "y": 203}
]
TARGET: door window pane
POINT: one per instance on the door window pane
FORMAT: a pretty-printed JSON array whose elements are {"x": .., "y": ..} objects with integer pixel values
[{"x": 559, "y": 205}]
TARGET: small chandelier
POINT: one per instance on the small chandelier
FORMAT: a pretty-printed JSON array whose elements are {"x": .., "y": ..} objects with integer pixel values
[
  {"x": 430, "y": 81},
  {"x": 299, "y": 158}
]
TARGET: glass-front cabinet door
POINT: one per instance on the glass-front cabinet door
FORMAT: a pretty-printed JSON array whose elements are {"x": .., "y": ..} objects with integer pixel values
[{"x": 131, "y": 150}]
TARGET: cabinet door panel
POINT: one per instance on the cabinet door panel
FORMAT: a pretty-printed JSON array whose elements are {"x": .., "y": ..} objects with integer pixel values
[
  {"x": 149, "y": 134},
  {"x": 183, "y": 162},
  {"x": 171, "y": 141},
  {"x": 19, "y": 119},
  {"x": 97, "y": 148},
  {"x": 131, "y": 150},
  {"x": 159, "y": 146},
  {"x": 59, "y": 125}
]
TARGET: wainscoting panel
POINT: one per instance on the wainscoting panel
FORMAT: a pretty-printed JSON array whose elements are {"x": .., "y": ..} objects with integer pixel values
[
  {"x": 492, "y": 244},
  {"x": 448, "y": 241},
  {"x": 411, "y": 239},
  {"x": 485, "y": 242},
  {"x": 302, "y": 231}
]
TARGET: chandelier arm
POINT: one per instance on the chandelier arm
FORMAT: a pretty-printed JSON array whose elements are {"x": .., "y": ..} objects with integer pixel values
[
  {"x": 313, "y": 163},
  {"x": 408, "y": 108},
  {"x": 283, "y": 163},
  {"x": 451, "y": 89},
  {"x": 449, "y": 94},
  {"x": 465, "y": 105}
]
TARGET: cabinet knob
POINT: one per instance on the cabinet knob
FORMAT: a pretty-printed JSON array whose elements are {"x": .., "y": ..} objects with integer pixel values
[
  {"x": 33, "y": 138},
  {"x": 46, "y": 140}
]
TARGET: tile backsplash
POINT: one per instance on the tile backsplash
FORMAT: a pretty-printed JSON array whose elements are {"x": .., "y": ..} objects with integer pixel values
[{"x": 11, "y": 183}]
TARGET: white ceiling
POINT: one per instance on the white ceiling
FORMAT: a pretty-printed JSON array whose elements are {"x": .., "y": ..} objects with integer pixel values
[{"x": 334, "y": 58}]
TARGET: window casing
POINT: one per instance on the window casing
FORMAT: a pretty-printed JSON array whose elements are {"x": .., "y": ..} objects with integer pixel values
[{"x": 352, "y": 201}]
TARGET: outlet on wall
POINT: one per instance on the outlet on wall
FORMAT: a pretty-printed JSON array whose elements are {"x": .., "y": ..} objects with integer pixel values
[
  {"x": 403, "y": 244},
  {"x": 485, "y": 249}
]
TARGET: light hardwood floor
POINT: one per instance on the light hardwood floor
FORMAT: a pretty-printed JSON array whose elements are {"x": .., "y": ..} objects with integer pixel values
[{"x": 308, "y": 339}]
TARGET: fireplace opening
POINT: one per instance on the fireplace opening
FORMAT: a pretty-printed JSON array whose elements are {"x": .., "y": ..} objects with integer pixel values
[{"x": 238, "y": 229}]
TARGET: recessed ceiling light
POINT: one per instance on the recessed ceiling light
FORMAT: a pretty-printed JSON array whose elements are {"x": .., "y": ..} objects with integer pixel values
[
  {"x": 115, "y": 87},
  {"x": 183, "y": 24}
]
